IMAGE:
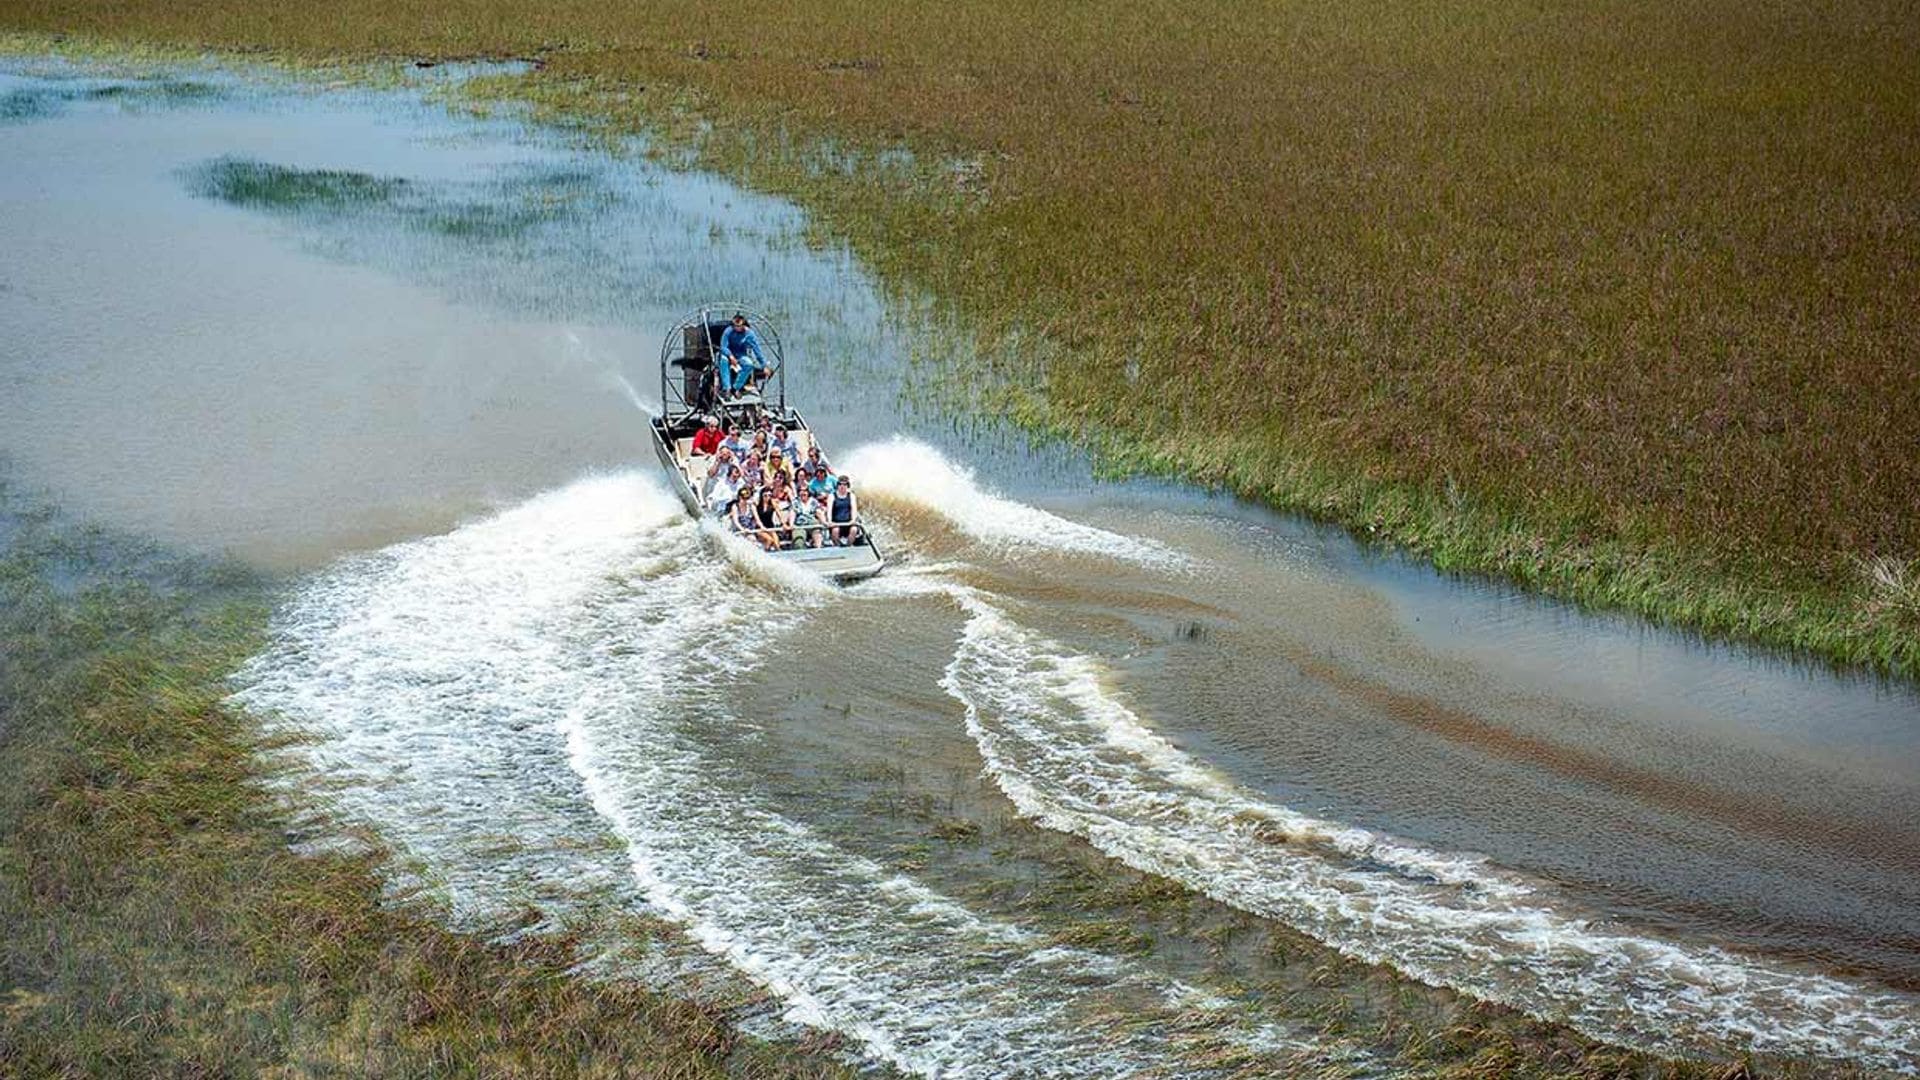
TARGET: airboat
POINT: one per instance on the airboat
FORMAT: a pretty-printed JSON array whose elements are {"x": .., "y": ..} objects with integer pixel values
[{"x": 690, "y": 391}]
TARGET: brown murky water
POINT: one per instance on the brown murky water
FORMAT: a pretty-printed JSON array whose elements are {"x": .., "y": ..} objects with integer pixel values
[{"x": 403, "y": 358}]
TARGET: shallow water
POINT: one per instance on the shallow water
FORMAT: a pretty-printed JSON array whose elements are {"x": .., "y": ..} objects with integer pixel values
[{"x": 403, "y": 358}]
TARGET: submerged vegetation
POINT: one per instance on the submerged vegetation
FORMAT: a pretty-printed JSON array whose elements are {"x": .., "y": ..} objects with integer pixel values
[
  {"x": 158, "y": 922},
  {"x": 504, "y": 211},
  {"x": 1612, "y": 300},
  {"x": 32, "y": 105},
  {"x": 278, "y": 187}
]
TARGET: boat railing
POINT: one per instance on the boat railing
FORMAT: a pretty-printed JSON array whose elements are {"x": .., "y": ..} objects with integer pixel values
[{"x": 733, "y": 524}]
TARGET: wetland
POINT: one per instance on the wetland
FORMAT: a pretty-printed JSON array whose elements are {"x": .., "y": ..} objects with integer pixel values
[{"x": 1105, "y": 776}]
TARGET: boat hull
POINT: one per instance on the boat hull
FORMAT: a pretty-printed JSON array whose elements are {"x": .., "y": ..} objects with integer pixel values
[{"x": 839, "y": 564}]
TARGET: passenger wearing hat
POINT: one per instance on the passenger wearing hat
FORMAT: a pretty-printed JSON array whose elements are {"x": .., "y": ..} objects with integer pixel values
[
  {"x": 821, "y": 482},
  {"x": 708, "y": 438}
]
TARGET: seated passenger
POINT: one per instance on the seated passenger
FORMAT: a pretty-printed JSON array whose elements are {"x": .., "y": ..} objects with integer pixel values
[
  {"x": 708, "y": 438},
  {"x": 751, "y": 469},
  {"x": 745, "y": 521},
  {"x": 814, "y": 458},
  {"x": 736, "y": 442},
  {"x": 783, "y": 516},
  {"x": 784, "y": 443},
  {"x": 768, "y": 515},
  {"x": 823, "y": 506},
  {"x": 842, "y": 513},
  {"x": 809, "y": 517},
  {"x": 721, "y": 489},
  {"x": 778, "y": 463},
  {"x": 822, "y": 482}
]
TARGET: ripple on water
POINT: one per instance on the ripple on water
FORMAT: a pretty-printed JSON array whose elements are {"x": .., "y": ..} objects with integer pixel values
[{"x": 1073, "y": 757}]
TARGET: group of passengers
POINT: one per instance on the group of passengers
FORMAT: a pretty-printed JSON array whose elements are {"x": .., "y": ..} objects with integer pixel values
[{"x": 767, "y": 491}]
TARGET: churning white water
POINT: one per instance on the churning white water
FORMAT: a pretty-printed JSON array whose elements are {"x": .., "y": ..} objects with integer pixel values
[
  {"x": 471, "y": 695},
  {"x": 462, "y": 689},
  {"x": 1072, "y": 756},
  {"x": 909, "y": 472}
]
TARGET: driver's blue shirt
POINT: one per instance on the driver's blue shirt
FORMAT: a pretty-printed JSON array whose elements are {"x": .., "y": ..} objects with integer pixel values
[{"x": 741, "y": 343}]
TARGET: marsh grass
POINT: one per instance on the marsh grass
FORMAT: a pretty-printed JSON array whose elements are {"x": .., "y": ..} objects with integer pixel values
[
  {"x": 22, "y": 105},
  {"x": 495, "y": 213},
  {"x": 166, "y": 90},
  {"x": 1629, "y": 283},
  {"x": 157, "y": 921},
  {"x": 264, "y": 185}
]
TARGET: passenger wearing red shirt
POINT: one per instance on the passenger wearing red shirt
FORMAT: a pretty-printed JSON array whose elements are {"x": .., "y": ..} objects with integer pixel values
[{"x": 709, "y": 438}]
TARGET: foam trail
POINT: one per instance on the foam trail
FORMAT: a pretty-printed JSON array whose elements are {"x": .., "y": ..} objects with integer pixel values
[
  {"x": 849, "y": 944},
  {"x": 1074, "y": 758},
  {"x": 905, "y": 471},
  {"x": 486, "y": 806},
  {"x": 764, "y": 569},
  {"x": 471, "y": 689}
]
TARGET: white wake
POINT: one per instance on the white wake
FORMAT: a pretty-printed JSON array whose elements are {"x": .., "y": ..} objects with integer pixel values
[
  {"x": 1073, "y": 757},
  {"x": 473, "y": 692},
  {"x": 906, "y": 471}
]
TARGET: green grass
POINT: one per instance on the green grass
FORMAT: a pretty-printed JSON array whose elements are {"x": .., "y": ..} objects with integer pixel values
[
  {"x": 172, "y": 91},
  {"x": 18, "y": 105},
  {"x": 508, "y": 212},
  {"x": 1613, "y": 299},
  {"x": 263, "y": 185},
  {"x": 157, "y": 922}
]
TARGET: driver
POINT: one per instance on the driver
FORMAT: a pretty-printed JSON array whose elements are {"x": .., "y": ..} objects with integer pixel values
[{"x": 739, "y": 342}]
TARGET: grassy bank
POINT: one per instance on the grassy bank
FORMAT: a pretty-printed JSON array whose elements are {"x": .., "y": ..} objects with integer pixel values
[
  {"x": 157, "y": 923},
  {"x": 1614, "y": 301}
]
